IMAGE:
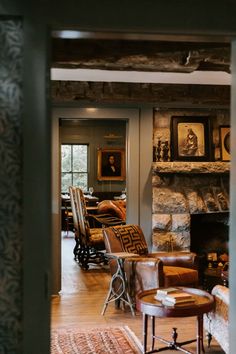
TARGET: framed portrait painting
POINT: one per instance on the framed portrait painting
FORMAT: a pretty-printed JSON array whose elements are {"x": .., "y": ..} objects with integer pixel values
[
  {"x": 225, "y": 142},
  {"x": 191, "y": 138},
  {"x": 111, "y": 165}
]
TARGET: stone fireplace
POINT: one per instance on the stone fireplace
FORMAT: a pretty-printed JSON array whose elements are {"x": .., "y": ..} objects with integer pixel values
[{"x": 182, "y": 190}]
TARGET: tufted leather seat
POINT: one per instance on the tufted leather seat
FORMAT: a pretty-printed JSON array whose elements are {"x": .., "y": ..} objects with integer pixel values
[
  {"x": 180, "y": 276},
  {"x": 113, "y": 207}
]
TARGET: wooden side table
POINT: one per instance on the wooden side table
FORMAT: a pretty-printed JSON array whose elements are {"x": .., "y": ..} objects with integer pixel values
[
  {"x": 120, "y": 291},
  {"x": 149, "y": 306}
]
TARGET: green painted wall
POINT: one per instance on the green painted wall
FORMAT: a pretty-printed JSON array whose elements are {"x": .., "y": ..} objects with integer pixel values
[{"x": 94, "y": 134}]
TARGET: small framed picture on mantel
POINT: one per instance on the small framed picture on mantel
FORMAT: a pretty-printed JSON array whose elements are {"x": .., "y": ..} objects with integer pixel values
[
  {"x": 225, "y": 142},
  {"x": 191, "y": 138}
]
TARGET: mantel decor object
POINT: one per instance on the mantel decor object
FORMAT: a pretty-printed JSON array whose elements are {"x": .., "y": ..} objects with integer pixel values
[
  {"x": 225, "y": 142},
  {"x": 191, "y": 138}
]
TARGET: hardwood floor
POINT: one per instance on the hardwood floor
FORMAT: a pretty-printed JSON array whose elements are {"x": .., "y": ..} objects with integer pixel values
[{"x": 82, "y": 296}]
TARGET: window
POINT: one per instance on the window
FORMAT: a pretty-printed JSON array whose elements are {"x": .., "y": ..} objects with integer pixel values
[{"x": 74, "y": 166}]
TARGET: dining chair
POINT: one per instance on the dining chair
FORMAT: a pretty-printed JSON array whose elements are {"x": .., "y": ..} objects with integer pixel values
[{"x": 90, "y": 247}]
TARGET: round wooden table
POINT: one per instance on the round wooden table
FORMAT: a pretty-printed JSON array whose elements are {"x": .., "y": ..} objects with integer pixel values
[{"x": 149, "y": 306}]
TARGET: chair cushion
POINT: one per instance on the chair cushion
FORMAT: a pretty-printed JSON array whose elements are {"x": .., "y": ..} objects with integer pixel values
[
  {"x": 96, "y": 238},
  {"x": 180, "y": 276}
]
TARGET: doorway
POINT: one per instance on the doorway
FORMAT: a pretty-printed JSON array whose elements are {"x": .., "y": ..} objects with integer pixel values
[
  {"x": 91, "y": 135},
  {"x": 131, "y": 117}
]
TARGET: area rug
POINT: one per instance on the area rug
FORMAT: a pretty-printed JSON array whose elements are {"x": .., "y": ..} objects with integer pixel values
[{"x": 104, "y": 340}]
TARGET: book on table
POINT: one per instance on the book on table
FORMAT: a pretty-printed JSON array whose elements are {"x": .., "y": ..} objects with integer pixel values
[
  {"x": 179, "y": 303},
  {"x": 178, "y": 297},
  {"x": 174, "y": 296},
  {"x": 161, "y": 293}
]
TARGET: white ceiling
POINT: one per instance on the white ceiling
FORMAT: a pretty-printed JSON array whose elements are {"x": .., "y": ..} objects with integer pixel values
[{"x": 196, "y": 77}]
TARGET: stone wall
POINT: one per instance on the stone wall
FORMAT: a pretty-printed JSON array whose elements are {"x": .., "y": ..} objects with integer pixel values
[
  {"x": 181, "y": 189},
  {"x": 146, "y": 93}
]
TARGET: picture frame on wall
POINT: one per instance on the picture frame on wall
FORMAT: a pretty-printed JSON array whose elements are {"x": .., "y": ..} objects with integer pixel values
[
  {"x": 111, "y": 164},
  {"x": 224, "y": 131},
  {"x": 191, "y": 138}
]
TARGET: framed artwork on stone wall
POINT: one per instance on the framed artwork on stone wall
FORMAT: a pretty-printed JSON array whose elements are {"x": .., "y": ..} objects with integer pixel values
[
  {"x": 111, "y": 165},
  {"x": 191, "y": 138},
  {"x": 225, "y": 142}
]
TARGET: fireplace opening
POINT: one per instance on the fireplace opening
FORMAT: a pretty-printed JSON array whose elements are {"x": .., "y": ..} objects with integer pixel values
[{"x": 209, "y": 235}]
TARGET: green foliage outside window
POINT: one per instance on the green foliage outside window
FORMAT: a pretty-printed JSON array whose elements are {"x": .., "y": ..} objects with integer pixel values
[{"x": 74, "y": 166}]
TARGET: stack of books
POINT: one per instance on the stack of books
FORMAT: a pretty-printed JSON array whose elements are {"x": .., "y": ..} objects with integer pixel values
[{"x": 174, "y": 296}]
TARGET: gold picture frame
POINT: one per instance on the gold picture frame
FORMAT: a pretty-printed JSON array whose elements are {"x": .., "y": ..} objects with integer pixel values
[
  {"x": 110, "y": 164},
  {"x": 225, "y": 142}
]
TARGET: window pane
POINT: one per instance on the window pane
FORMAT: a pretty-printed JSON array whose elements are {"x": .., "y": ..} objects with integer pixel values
[
  {"x": 80, "y": 158},
  {"x": 74, "y": 166},
  {"x": 66, "y": 181},
  {"x": 65, "y": 158},
  {"x": 80, "y": 180}
]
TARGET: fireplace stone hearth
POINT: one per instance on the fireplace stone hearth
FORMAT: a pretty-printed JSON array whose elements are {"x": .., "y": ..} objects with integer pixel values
[{"x": 181, "y": 189}]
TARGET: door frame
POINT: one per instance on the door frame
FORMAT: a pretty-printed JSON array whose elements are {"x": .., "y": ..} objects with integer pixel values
[{"x": 132, "y": 177}]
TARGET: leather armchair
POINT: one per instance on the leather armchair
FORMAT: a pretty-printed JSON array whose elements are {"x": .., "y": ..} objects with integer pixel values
[
  {"x": 113, "y": 207},
  {"x": 150, "y": 270}
]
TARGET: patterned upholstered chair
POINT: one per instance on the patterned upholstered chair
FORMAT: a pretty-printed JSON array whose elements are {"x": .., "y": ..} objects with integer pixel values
[
  {"x": 216, "y": 323},
  {"x": 90, "y": 247},
  {"x": 174, "y": 268}
]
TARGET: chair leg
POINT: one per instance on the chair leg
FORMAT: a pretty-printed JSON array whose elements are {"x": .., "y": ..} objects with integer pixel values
[
  {"x": 67, "y": 226},
  {"x": 90, "y": 255},
  {"x": 85, "y": 259},
  {"x": 77, "y": 248},
  {"x": 209, "y": 339}
]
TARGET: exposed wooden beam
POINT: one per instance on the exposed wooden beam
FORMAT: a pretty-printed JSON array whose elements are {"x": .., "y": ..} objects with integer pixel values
[{"x": 140, "y": 55}]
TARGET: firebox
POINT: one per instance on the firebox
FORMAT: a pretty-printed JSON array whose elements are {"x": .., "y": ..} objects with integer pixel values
[{"x": 209, "y": 233}]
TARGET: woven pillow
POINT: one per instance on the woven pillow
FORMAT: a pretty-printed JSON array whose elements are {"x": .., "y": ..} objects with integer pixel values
[{"x": 131, "y": 239}]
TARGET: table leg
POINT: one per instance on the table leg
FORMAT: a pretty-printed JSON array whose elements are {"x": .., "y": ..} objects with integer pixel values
[
  {"x": 145, "y": 330},
  {"x": 120, "y": 292},
  {"x": 153, "y": 333},
  {"x": 200, "y": 334}
]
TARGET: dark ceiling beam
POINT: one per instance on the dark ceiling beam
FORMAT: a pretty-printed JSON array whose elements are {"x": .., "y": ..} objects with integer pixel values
[{"x": 150, "y": 56}]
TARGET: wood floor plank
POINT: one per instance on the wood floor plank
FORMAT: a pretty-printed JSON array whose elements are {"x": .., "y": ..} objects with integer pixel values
[{"x": 81, "y": 300}]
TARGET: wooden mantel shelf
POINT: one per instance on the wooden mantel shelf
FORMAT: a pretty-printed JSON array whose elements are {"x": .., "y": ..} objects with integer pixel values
[{"x": 217, "y": 167}]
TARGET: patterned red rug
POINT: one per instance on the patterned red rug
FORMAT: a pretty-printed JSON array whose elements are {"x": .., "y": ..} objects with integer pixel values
[{"x": 113, "y": 340}]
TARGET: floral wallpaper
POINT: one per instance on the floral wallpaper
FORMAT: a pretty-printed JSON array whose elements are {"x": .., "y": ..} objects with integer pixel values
[{"x": 11, "y": 60}]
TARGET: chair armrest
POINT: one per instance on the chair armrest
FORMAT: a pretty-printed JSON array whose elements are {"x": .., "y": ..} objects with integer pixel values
[
  {"x": 104, "y": 220},
  {"x": 143, "y": 273},
  {"x": 222, "y": 293},
  {"x": 178, "y": 259}
]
